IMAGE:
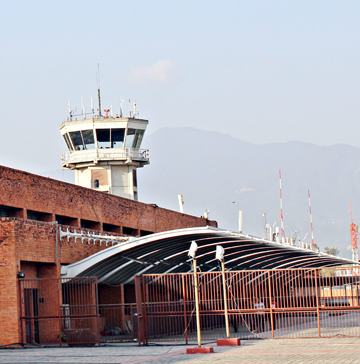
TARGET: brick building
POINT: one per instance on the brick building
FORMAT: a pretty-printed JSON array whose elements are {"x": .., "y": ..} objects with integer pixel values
[{"x": 34, "y": 209}]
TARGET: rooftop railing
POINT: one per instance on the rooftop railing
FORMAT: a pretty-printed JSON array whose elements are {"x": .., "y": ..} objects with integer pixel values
[{"x": 79, "y": 156}]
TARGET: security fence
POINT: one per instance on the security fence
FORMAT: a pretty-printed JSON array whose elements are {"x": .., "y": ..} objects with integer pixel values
[
  {"x": 54, "y": 311},
  {"x": 66, "y": 312},
  {"x": 296, "y": 303}
]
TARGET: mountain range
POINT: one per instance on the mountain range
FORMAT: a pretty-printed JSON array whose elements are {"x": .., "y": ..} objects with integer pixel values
[
  {"x": 223, "y": 174},
  {"x": 220, "y": 173}
]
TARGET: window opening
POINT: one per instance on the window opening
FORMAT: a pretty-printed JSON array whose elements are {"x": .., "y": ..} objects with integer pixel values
[
  {"x": 68, "y": 142},
  {"x": 39, "y": 216},
  {"x": 130, "y": 231},
  {"x": 117, "y": 138},
  {"x": 145, "y": 232},
  {"x": 130, "y": 138},
  {"x": 88, "y": 137},
  {"x": 66, "y": 220},
  {"x": 138, "y": 138},
  {"x": 103, "y": 138},
  {"x": 7, "y": 211},
  {"x": 111, "y": 228},
  {"x": 77, "y": 140},
  {"x": 88, "y": 224}
]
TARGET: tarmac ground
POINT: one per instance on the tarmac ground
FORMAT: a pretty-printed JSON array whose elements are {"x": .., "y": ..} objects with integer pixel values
[{"x": 272, "y": 351}]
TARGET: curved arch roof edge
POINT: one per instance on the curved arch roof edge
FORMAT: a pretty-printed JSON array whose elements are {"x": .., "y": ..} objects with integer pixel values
[{"x": 167, "y": 252}]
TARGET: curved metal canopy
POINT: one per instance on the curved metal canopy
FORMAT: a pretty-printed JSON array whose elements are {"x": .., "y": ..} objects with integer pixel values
[{"x": 167, "y": 252}]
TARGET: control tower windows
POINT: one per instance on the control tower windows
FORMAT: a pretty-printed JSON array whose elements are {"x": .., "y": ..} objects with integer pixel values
[
  {"x": 117, "y": 138},
  {"x": 77, "y": 140},
  {"x": 138, "y": 138},
  {"x": 130, "y": 138},
  {"x": 103, "y": 138},
  {"x": 88, "y": 137},
  {"x": 134, "y": 138},
  {"x": 68, "y": 142}
]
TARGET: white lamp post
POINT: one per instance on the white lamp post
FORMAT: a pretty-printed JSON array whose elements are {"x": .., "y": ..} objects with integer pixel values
[
  {"x": 192, "y": 254},
  {"x": 220, "y": 256},
  {"x": 228, "y": 341},
  {"x": 199, "y": 349}
]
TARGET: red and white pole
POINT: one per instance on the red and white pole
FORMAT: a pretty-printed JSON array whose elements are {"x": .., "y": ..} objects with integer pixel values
[
  {"x": 281, "y": 210},
  {"x": 311, "y": 223}
]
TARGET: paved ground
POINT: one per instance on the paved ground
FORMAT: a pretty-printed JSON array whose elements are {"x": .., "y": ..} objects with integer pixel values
[{"x": 284, "y": 351}]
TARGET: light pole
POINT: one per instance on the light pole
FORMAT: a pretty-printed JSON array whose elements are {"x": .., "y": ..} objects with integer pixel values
[
  {"x": 220, "y": 256},
  {"x": 199, "y": 349},
  {"x": 228, "y": 341}
]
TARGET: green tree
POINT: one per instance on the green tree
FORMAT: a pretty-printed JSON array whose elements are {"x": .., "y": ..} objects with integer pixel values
[{"x": 332, "y": 251}]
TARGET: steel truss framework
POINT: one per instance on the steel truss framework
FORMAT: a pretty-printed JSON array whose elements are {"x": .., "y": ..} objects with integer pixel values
[{"x": 166, "y": 252}]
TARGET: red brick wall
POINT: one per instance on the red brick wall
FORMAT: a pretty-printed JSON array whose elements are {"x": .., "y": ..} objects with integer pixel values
[
  {"x": 29, "y": 269},
  {"x": 30, "y": 246},
  {"x": 9, "y": 304},
  {"x": 35, "y": 241},
  {"x": 24, "y": 190},
  {"x": 110, "y": 294},
  {"x": 72, "y": 251}
]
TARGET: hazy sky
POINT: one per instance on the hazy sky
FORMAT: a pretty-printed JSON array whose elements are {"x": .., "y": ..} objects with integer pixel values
[{"x": 262, "y": 71}]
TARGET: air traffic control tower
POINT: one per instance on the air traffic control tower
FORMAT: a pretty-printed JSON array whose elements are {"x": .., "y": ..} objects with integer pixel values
[{"x": 105, "y": 151}]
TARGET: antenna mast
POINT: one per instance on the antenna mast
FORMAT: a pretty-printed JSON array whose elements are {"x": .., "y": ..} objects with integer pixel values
[
  {"x": 69, "y": 109},
  {"x": 281, "y": 211},
  {"x": 121, "y": 107},
  {"x": 98, "y": 82},
  {"x": 353, "y": 232},
  {"x": 311, "y": 223}
]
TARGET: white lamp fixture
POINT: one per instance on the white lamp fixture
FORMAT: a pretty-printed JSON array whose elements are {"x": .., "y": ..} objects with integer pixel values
[
  {"x": 219, "y": 253},
  {"x": 193, "y": 249}
]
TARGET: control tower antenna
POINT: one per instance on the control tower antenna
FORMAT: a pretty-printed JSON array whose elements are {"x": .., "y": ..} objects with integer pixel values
[
  {"x": 121, "y": 107},
  {"x": 135, "y": 109},
  {"x": 98, "y": 84},
  {"x": 69, "y": 109}
]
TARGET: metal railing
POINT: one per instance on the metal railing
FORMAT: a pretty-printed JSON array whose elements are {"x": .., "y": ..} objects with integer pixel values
[
  {"x": 294, "y": 303},
  {"x": 57, "y": 310},
  {"x": 65, "y": 311},
  {"x": 262, "y": 304},
  {"x": 142, "y": 155}
]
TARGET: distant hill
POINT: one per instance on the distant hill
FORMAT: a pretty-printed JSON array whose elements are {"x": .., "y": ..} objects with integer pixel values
[{"x": 212, "y": 170}]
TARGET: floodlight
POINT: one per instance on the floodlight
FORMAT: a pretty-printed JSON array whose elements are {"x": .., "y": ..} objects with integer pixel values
[
  {"x": 219, "y": 253},
  {"x": 193, "y": 249}
]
